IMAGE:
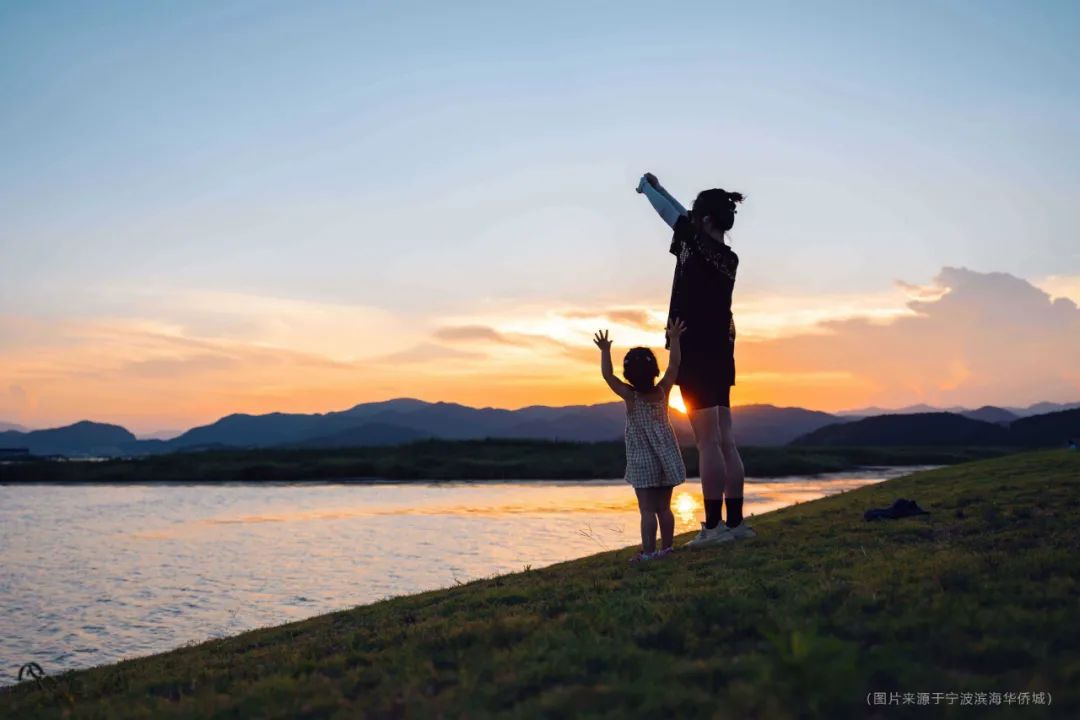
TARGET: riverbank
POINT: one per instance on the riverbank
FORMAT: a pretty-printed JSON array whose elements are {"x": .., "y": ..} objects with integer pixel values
[
  {"x": 802, "y": 621},
  {"x": 457, "y": 460}
]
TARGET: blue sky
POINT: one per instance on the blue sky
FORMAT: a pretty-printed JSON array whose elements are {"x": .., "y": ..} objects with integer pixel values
[{"x": 451, "y": 159}]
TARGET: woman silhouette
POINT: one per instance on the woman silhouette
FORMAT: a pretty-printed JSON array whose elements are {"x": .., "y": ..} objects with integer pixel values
[{"x": 701, "y": 296}]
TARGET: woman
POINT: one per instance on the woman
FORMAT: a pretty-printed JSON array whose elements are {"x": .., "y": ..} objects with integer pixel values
[{"x": 701, "y": 296}]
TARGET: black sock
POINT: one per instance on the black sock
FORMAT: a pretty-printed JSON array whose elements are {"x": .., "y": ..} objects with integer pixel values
[
  {"x": 713, "y": 509},
  {"x": 734, "y": 512}
]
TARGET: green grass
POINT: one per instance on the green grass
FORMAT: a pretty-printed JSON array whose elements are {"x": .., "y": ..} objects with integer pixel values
[
  {"x": 457, "y": 460},
  {"x": 802, "y": 621}
]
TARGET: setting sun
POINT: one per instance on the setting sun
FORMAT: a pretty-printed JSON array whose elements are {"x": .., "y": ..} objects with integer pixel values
[{"x": 675, "y": 400}]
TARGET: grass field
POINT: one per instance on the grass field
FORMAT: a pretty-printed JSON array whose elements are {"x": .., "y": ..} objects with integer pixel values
[
  {"x": 457, "y": 460},
  {"x": 980, "y": 596}
]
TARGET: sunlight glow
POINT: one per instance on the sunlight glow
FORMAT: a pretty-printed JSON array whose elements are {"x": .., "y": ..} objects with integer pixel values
[
  {"x": 675, "y": 400},
  {"x": 686, "y": 507}
]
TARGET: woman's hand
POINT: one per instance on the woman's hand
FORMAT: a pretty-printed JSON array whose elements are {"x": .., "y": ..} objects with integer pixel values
[
  {"x": 675, "y": 328},
  {"x": 647, "y": 178},
  {"x": 601, "y": 339}
]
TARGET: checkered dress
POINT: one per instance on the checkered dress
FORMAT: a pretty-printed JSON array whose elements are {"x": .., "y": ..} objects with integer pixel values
[{"x": 653, "y": 458}]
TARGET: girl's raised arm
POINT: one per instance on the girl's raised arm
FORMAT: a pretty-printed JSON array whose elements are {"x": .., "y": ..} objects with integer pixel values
[
  {"x": 617, "y": 386},
  {"x": 665, "y": 205}
]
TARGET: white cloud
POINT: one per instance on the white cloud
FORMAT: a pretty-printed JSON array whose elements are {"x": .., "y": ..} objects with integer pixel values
[{"x": 991, "y": 338}]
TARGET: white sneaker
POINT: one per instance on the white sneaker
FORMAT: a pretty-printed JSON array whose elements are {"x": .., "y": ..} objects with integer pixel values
[
  {"x": 742, "y": 530},
  {"x": 702, "y": 534},
  {"x": 707, "y": 537}
]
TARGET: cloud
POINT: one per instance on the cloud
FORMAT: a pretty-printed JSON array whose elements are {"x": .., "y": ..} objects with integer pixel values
[
  {"x": 428, "y": 352},
  {"x": 1061, "y": 286},
  {"x": 342, "y": 331},
  {"x": 984, "y": 338},
  {"x": 15, "y": 402},
  {"x": 171, "y": 367},
  {"x": 471, "y": 332},
  {"x": 631, "y": 317}
]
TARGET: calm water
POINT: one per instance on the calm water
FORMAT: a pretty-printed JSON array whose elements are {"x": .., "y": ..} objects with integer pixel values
[{"x": 92, "y": 574}]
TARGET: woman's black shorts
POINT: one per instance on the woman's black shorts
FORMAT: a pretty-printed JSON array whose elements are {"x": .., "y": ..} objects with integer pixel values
[{"x": 706, "y": 377}]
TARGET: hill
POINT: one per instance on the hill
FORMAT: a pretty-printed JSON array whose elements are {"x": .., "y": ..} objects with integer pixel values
[
  {"x": 920, "y": 429},
  {"x": 947, "y": 429},
  {"x": 1039, "y": 408},
  {"x": 81, "y": 439},
  {"x": 991, "y": 414},
  {"x": 405, "y": 420},
  {"x": 366, "y": 435},
  {"x": 754, "y": 424},
  {"x": 1049, "y": 430},
  {"x": 806, "y": 620}
]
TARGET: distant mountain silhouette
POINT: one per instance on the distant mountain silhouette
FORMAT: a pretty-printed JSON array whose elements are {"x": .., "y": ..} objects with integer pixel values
[
  {"x": 5, "y": 426},
  {"x": 920, "y": 429},
  {"x": 1049, "y": 430},
  {"x": 772, "y": 425},
  {"x": 81, "y": 439},
  {"x": 1040, "y": 408},
  {"x": 920, "y": 409},
  {"x": 406, "y": 419},
  {"x": 161, "y": 435},
  {"x": 1043, "y": 408},
  {"x": 754, "y": 424},
  {"x": 367, "y": 434},
  {"x": 991, "y": 414}
]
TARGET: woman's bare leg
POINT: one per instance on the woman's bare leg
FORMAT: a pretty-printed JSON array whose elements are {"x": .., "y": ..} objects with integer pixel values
[
  {"x": 733, "y": 464},
  {"x": 706, "y": 425}
]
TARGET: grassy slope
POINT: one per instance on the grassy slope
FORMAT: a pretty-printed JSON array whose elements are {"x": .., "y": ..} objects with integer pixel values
[
  {"x": 448, "y": 460},
  {"x": 801, "y": 621}
]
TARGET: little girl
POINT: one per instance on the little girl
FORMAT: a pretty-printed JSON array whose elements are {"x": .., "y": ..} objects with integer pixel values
[{"x": 654, "y": 464}]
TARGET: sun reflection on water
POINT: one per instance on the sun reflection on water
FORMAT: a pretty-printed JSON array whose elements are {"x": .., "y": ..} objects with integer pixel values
[{"x": 686, "y": 507}]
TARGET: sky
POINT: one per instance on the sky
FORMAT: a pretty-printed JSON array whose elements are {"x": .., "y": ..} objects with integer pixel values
[{"x": 209, "y": 208}]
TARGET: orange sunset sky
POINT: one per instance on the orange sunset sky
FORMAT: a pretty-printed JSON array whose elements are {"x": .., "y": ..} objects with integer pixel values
[{"x": 968, "y": 338}]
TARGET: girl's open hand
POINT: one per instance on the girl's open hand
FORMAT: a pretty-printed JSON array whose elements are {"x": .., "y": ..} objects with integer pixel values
[
  {"x": 602, "y": 340},
  {"x": 675, "y": 328}
]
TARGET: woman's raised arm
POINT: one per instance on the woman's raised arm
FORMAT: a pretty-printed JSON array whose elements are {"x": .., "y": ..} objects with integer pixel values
[{"x": 665, "y": 205}]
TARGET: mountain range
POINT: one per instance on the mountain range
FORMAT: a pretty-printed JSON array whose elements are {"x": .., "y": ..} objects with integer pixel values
[
  {"x": 948, "y": 429},
  {"x": 404, "y": 420},
  {"x": 989, "y": 413}
]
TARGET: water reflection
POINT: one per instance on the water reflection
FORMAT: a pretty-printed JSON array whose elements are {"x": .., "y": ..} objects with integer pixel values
[
  {"x": 92, "y": 574},
  {"x": 686, "y": 507}
]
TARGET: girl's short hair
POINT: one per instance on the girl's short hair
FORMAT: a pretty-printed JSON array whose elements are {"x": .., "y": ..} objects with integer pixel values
[{"x": 640, "y": 369}]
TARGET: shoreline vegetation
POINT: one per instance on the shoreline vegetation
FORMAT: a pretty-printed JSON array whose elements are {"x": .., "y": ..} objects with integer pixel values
[
  {"x": 808, "y": 619},
  {"x": 437, "y": 460}
]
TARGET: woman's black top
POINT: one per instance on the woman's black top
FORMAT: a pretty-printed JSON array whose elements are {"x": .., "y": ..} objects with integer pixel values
[{"x": 701, "y": 296}]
